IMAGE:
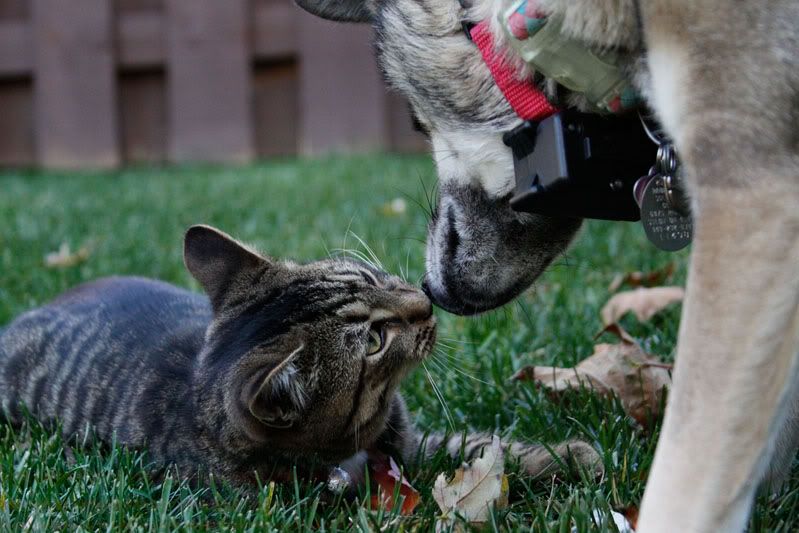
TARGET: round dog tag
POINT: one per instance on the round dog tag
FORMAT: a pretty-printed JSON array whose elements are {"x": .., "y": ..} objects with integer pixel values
[{"x": 665, "y": 227}]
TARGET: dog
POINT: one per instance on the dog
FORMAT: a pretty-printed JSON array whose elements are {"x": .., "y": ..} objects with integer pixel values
[{"x": 723, "y": 81}]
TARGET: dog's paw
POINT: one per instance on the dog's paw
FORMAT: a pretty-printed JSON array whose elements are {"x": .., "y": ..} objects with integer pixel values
[{"x": 604, "y": 24}]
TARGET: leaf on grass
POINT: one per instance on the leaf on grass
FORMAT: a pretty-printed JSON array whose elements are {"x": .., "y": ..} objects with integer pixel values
[
  {"x": 624, "y": 369},
  {"x": 619, "y": 332},
  {"x": 395, "y": 207},
  {"x": 645, "y": 303},
  {"x": 642, "y": 279},
  {"x": 389, "y": 479},
  {"x": 631, "y": 514},
  {"x": 65, "y": 258},
  {"x": 474, "y": 489}
]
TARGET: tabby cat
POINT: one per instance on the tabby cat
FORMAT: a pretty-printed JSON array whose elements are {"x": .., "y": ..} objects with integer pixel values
[{"x": 281, "y": 365}]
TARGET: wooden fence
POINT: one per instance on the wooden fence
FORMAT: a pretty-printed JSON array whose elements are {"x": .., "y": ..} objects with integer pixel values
[{"x": 98, "y": 83}]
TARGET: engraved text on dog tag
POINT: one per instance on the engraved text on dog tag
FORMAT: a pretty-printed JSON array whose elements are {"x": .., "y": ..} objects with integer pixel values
[{"x": 665, "y": 227}]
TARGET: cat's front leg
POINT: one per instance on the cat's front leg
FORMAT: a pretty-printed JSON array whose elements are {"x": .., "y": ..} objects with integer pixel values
[
  {"x": 535, "y": 460},
  {"x": 403, "y": 440}
]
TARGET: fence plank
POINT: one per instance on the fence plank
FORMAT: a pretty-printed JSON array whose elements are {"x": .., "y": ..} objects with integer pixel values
[
  {"x": 16, "y": 124},
  {"x": 276, "y": 109},
  {"x": 138, "y": 5},
  {"x": 209, "y": 80},
  {"x": 275, "y": 29},
  {"x": 141, "y": 39},
  {"x": 16, "y": 48},
  {"x": 342, "y": 94},
  {"x": 75, "y": 87},
  {"x": 142, "y": 107},
  {"x": 14, "y": 9}
]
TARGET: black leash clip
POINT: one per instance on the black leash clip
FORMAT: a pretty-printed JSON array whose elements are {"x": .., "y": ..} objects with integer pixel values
[{"x": 580, "y": 165}]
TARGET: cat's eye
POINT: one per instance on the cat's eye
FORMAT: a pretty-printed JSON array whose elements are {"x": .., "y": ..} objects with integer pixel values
[{"x": 376, "y": 339}]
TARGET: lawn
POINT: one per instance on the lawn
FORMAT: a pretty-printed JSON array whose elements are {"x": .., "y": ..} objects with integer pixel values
[{"x": 133, "y": 221}]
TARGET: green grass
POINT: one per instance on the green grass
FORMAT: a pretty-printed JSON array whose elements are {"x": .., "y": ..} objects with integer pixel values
[{"x": 134, "y": 220}]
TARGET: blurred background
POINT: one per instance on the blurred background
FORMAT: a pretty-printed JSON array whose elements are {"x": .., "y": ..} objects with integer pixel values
[{"x": 104, "y": 83}]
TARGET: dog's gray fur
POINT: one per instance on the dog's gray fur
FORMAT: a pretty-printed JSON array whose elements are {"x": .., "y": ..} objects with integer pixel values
[{"x": 723, "y": 78}]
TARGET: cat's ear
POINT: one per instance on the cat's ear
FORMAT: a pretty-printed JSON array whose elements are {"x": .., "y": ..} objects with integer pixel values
[
  {"x": 339, "y": 10},
  {"x": 277, "y": 398},
  {"x": 215, "y": 258}
]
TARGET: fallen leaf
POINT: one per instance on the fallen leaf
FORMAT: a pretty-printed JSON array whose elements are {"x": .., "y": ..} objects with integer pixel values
[
  {"x": 622, "y": 523},
  {"x": 635, "y": 377},
  {"x": 65, "y": 258},
  {"x": 474, "y": 488},
  {"x": 389, "y": 479},
  {"x": 631, "y": 514},
  {"x": 645, "y": 303},
  {"x": 642, "y": 279},
  {"x": 619, "y": 332},
  {"x": 395, "y": 207}
]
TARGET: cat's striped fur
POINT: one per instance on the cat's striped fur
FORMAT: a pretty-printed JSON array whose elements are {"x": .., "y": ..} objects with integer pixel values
[{"x": 271, "y": 370}]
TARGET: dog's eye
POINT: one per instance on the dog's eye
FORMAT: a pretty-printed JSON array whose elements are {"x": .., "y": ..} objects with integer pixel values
[{"x": 377, "y": 339}]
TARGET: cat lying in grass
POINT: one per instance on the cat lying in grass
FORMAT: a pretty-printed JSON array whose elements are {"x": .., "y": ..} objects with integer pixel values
[{"x": 281, "y": 365}]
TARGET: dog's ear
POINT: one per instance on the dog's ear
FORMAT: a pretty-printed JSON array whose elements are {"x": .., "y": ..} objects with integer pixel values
[{"x": 339, "y": 10}]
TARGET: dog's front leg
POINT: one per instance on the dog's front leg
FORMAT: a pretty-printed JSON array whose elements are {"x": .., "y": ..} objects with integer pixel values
[
  {"x": 724, "y": 87},
  {"x": 735, "y": 367}
]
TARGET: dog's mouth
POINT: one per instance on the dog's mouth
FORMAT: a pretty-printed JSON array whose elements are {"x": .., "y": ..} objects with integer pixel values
[
  {"x": 481, "y": 254},
  {"x": 464, "y": 307}
]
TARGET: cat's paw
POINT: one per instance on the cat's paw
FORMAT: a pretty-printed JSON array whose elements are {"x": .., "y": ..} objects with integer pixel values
[{"x": 570, "y": 457}]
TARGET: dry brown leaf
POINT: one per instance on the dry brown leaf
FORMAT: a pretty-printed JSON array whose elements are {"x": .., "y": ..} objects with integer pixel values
[
  {"x": 619, "y": 332},
  {"x": 474, "y": 489},
  {"x": 644, "y": 303},
  {"x": 642, "y": 279},
  {"x": 624, "y": 369},
  {"x": 65, "y": 258},
  {"x": 631, "y": 514},
  {"x": 386, "y": 474}
]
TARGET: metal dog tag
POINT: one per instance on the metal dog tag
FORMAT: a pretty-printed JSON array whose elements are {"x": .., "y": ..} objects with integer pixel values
[{"x": 665, "y": 227}]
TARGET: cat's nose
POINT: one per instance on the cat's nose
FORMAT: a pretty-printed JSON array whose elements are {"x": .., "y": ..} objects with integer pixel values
[{"x": 416, "y": 306}]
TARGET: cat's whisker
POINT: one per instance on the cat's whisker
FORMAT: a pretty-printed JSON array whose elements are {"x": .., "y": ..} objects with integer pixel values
[
  {"x": 430, "y": 196},
  {"x": 375, "y": 260},
  {"x": 443, "y": 344},
  {"x": 445, "y": 351},
  {"x": 459, "y": 341},
  {"x": 446, "y": 368},
  {"x": 357, "y": 254},
  {"x": 440, "y": 397}
]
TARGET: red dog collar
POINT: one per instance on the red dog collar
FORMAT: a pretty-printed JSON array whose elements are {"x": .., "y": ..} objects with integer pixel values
[{"x": 524, "y": 97}]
